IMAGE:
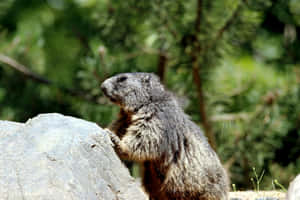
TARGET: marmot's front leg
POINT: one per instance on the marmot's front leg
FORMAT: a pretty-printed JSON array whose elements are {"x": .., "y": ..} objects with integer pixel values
[
  {"x": 140, "y": 144},
  {"x": 117, "y": 144},
  {"x": 119, "y": 126}
]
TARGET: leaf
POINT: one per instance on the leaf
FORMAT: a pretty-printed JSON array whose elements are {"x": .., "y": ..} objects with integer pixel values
[{"x": 4, "y": 6}]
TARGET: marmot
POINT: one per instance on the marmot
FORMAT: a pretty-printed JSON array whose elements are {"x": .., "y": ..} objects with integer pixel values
[{"x": 152, "y": 129}]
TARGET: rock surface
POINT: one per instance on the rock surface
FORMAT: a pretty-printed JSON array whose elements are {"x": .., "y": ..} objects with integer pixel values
[
  {"x": 294, "y": 189},
  {"x": 253, "y": 195},
  {"x": 54, "y": 157}
]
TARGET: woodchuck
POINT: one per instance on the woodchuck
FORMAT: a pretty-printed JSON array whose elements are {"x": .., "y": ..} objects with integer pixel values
[{"x": 152, "y": 129}]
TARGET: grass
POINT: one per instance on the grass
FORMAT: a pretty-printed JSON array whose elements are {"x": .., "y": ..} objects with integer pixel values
[{"x": 257, "y": 179}]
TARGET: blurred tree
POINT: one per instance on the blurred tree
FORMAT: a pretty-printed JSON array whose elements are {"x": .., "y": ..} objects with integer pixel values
[{"x": 235, "y": 60}]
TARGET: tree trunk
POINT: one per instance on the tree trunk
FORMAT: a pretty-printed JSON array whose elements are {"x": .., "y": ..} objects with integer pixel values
[
  {"x": 202, "y": 107},
  {"x": 161, "y": 66},
  {"x": 196, "y": 67}
]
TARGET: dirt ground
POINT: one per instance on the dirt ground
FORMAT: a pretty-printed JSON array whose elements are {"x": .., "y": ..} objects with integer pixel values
[{"x": 262, "y": 195}]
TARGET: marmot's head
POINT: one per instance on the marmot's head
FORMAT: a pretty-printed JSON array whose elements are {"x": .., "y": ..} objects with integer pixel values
[{"x": 133, "y": 90}]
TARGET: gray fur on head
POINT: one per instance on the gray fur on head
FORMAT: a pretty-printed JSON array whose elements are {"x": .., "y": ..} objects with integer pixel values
[{"x": 134, "y": 90}]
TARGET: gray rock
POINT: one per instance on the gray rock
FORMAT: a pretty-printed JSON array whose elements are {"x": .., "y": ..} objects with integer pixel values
[
  {"x": 56, "y": 157},
  {"x": 294, "y": 189}
]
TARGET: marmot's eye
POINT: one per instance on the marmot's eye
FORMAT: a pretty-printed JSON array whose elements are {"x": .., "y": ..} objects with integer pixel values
[{"x": 121, "y": 79}]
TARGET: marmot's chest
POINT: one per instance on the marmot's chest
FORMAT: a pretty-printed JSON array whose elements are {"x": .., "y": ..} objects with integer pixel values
[
  {"x": 140, "y": 121},
  {"x": 153, "y": 179}
]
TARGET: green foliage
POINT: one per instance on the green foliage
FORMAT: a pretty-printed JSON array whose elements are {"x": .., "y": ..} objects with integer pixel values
[
  {"x": 4, "y": 7},
  {"x": 255, "y": 109},
  {"x": 248, "y": 56}
]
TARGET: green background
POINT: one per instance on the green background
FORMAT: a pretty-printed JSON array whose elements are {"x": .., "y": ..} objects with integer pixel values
[{"x": 233, "y": 64}]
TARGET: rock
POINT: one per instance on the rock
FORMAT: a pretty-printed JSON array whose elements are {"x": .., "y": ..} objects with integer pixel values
[
  {"x": 53, "y": 157},
  {"x": 8, "y": 128},
  {"x": 257, "y": 195},
  {"x": 294, "y": 189}
]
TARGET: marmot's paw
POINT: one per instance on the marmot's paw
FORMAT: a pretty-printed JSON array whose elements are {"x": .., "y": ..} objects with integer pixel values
[
  {"x": 108, "y": 131},
  {"x": 113, "y": 137}
]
